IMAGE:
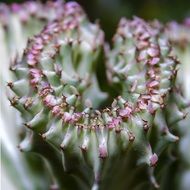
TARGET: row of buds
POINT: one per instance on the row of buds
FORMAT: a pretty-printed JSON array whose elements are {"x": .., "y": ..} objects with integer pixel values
[
  {"x": 29, "y": 10},
  {"x": 60, "y": 66},
  {"x": 145, "y": 61}
]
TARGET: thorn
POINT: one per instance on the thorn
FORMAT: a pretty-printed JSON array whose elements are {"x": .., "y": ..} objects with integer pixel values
[
  {"x": 131, "y": 136},
  {"x": 152, "y": 178},
  {"x": 70, "y": 42},
  {"x": 27, "y": 125},
  {"x": 118, "y": 130},
  {"x": 14, "y": 100},
  {"x": 83, "y": 148},
  {"x": 146, "y": 127},
  {"x": 28, "y": 103},
  {"x": 43, "y": 136},
  {"x": 185, "y": 115},
  {"x": 62, "y": 146},
  {"x": 10, "y": 85}
]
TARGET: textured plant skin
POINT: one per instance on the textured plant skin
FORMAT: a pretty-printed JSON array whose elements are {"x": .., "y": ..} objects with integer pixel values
[
  {"x": 178, "y": 34},
  {"x": 14, "y": 33},
  {"x": 21, "y": 21},
  {"x": 165, "y": 121},
  {"x": 120, "y": 137}
]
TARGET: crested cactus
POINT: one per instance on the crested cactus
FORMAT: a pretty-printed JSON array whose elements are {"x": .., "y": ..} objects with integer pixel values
[
  {"x": 18, "y": 22},
  {"x": 179, "y": 36},
  {"x": 100, "y": 116},
  {"x": 21, "y": 21}
]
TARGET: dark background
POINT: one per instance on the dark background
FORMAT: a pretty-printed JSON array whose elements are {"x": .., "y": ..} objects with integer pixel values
[{"x": 110, "y": 11}]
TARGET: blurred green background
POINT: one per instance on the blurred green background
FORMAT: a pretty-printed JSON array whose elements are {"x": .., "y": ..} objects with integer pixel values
[{"x": 110, "y": 11}]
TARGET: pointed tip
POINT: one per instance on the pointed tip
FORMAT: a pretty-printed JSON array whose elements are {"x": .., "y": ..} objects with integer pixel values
[
  {"x": 62, "y": 146},
  {"x": 153, "y": 160},
  {"x": 43, "y": 136},
  {"x": 83, "y": 148},
  {"x": 131, "y": 136},
  {"x": 10, "y": 85},
  {"x": 27, "y": 125}
]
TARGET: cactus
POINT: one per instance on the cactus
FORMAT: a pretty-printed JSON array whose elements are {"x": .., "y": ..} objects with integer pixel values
[
  {"x": 101, "y": 116},
  {"x": 179, "y": 36},
  {"x": 18, "y": 22}
]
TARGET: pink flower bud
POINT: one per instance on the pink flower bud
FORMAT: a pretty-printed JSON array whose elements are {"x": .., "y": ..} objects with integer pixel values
[
  {"x": 153, "y": 52},
  {"x": 49, "y": 100},
  {"x": 114, "y": 123},
  {"x": 103, "y": 153},
  {"x": 67, "y": 117},
  {"x": 154, "y": 61},
  {"x": 126, "y": 112},
  {"x": 35, "y": 76},
  {"x": 56, "y": 110},
  {"x": 152, "y": 84},
  {"x": 153, "y": 159},
  {"x": 76, "y": 116}
]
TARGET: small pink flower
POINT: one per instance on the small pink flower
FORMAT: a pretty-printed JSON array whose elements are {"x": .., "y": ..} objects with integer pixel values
[
  {"x": 49, "y": 100},
  {"x": 71, "y": 7},
  {"x": 154, "y": 60},
  {"x": 144, "y": 36},
  {"x": 142, "y": 104},
  {"x": 153, "y": 51},
  {"x": 76, "y": 116},
  {"x": 103, "y": 153},
  {"x": 150, "y": 107},
  {"x": 67, "y": 117},
  {"x": 139, "y": 30},
  {"x": 126, "y": 112},
  {"x": 35, "y": 76},
  {"x": 35, "y": 52},
  {"x": 31, "y": 60},
  {"x": 38, "y": 40},
  {"x": 114, "y": 123},
  {"x": 153, "y": 159},
  {"x": 56, "y": 110},
  {"x": 152, "y": 84},
  {"x": 142, "y": 44},
  {"x": 30, "y": 56},
  {"x": 46, "y": 37},
  {"x": 37, "y": 46}
]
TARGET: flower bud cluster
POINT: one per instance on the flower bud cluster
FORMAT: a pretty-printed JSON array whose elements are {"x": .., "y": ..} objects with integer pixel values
[{"x": 58, "y": 73}]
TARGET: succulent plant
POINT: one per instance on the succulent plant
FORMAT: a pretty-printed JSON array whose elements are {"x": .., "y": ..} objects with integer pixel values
[
  {"x": 18, "y": 22},
  {"x": 178, "y": 34},
  {"x": 101, "y": 116}
]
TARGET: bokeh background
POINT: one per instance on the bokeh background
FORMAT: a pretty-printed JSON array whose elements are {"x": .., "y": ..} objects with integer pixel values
[{"x": 110, "y": 11}]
